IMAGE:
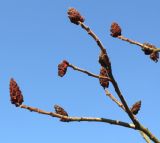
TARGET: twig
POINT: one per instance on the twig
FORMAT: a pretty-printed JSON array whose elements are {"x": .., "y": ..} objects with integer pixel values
[
  {"x": 97, "y": 76},
  {"x": 93, "y": 35},
  {"x": 116, "y": 87},
  {"x": 145, "y": 137},
  {"x": 92, "y": 119},
  {"x": 148, "y": 133},
  {"x": 114, "y": 99},
  {"x": 87, "y": 72},
  {"x": 79, "y": 119},
  {"x": 138, "y": 43}
]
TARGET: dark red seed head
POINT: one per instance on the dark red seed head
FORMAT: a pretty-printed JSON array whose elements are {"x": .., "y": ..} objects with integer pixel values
[
  {"x": 115, "y": 30},
  {"x": 62, "y": 68},
  {"x": 75, "y": 16},
  {"x": 104, "y": 82},
  {"x": 15, "y": 93}
]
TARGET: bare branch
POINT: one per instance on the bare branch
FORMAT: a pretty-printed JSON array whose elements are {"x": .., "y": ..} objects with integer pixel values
[
  {"x": 107, "y": 64},
  {"x": 103, "y": 50},
  {"x": 87, "y": 72},
  {"x": 79, "y": 119},
  {"x": 114, "y": 99},
  {"x": 138, "y": 43},
  {"x": 93, "y": 35},
  {"x": 145, "y": 137}
]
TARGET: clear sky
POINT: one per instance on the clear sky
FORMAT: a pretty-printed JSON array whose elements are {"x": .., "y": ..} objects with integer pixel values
[{"x": 36, "y": 35}]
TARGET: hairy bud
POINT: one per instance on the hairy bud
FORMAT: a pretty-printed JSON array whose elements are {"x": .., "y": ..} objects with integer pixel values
[
  {"x": 115, "y": 30},
  {"x": 75, "y": 16},
  {"x": 62, "y": 68},
  {"x": 154, "y": 56},
  {"x": 61, "y": 111},
  {"x": 136, "y": 107},
  {"x": 15, "y": 93},
  {"x": 104, "y": 60},
  {"x": 104, "y": 82},
  {"x": 150, "y": 51}
]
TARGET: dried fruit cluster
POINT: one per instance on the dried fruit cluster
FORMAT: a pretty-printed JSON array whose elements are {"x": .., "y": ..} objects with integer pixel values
[
  {"x": 104, "y": 82},
  {"x": 15, "y": 93},
  {"x": 115, "y": 30},
  {"x": 62, "y": 68},
  {"x": 75, "y": 16}
]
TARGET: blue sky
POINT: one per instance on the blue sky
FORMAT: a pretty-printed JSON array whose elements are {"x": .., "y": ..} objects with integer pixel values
[{"x": 36, "y": 35}]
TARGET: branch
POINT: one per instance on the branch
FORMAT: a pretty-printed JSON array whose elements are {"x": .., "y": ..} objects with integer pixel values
[
  {"x": 145, "y": 137},
  {"x": 116, "y": 87},
  {"x": 87, "y": 72},
  {"x": 138, "y": 43},
  {"x": 149, "y": 134},
  {"x": 93, "y": 35},
  {"x": 114, "y": 100},
  {"x": 107, "y": 64},
  {"x": 97, "y": 76},
  {"x": 107, "y": 61},
  {"x": 79, "y": 119}
]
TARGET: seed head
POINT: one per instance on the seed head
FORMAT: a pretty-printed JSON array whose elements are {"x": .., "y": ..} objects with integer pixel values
[
  {"x": 115, "y": 30},
  {"x": 15, "y": 93},
  {"x": 75, "y": 16},
  {"x": 62, "y": 68},
  {"x": 104, "y": 82}
]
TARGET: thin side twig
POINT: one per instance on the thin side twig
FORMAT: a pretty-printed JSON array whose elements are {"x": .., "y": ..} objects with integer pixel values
[
  {"x": 93, "y": 35},
  {"x": 145, "y": 137},
  {"x": 87, "y": 72},
  {"x": 114, "y": 99},
  {"x": 97, "y": 76},
  {"x": 138, "y": 43},
  {"x": 79, "y": 119}
]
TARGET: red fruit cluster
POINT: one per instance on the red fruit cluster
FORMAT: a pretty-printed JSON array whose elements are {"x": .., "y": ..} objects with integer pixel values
[
  {"x": 75, "y": 16},
  {"x": 15, "y": 93},
  {"x": 104, "y": 82},
  {"x": 61, "y": 111},
  {"x": 62, "y": 68},
  {"x": 136, "y": 107},
  {"x": 150, "y": 51},
  {"x": 115, "y": 30}
]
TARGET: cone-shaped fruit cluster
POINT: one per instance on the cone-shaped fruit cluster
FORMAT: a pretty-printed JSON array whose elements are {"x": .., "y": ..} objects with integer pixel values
[
  {"x": 75, "y": 16},
  {"x": 62, "y": 68},
  {"x": 15, "y": 93}
]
